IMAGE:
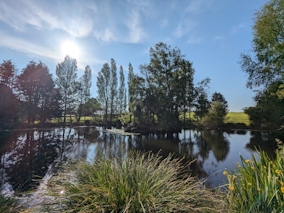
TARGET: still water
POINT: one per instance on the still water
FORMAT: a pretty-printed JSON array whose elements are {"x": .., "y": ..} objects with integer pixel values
[{"x": 27, "y": 156}]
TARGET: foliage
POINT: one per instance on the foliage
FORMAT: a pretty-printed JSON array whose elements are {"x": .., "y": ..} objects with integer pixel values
[
  {"x": 121, "y": 101},
  {"x": 267, "y": 46},
  {"x": 164, "y": 88},
  {"x": 220, "y": 98},
  {"x": 266, "y": 68},
  {"x": 139, "y": 183},
  {"x": 7, "y": 205},
  {"x": 257, "y": 185},
  {"x": 202, "y": 103},
  {"x": 215, "y": 117},
  {"x": 113, "y": 88},
  {"x": 269, "y": 110},
  {"x": 66, "y": 82},
  {"x": 131, "y": 89},
  {"x": 84, "y": 85},
  {"x": 35, "y": 87}
]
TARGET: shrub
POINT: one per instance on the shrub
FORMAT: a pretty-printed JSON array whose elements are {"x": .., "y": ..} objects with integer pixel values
[
  {"x": 138, "y": 183},
  {"x": 257, "y": 185}
]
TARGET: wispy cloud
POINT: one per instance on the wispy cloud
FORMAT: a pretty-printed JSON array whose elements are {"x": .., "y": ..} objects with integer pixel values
[
  {"x": 24, "y": 46},
  {"x": 136, "y": 33},
  {"x": 197, "y": 6},
  {"x": 40, "y": 51},
  {"x": 33, "y": 14},
  {"x": 237, "y": 28},
  {"x": 106, "y": 35},
  {"x": 184, "y": 28},
  {"x": 193, "y": 39}
]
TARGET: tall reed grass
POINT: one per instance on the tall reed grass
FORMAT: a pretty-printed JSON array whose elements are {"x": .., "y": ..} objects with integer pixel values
[
  {"x": 138, "y": 183},
  {"x": 7, "y": 205},
  {"x": 257, "y": 185}
]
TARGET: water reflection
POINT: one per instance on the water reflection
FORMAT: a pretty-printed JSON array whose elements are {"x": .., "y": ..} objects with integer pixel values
[{"x": 26, "y": 155}]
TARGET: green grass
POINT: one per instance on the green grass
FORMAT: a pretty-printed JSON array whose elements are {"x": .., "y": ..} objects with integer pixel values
[
  {"x": 237, "y": 117},
  {"x": 7, "y": 205},
  {"x": 138, "y": 183},
  {"x": 257, "y": 185}
]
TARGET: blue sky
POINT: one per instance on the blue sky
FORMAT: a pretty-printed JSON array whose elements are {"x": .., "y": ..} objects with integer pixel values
[{"x": 210, "y": 33}]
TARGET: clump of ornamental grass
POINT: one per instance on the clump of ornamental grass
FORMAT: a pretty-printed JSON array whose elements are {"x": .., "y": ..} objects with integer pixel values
[
  {"x": 257, "y": 185},
  {"x": 7, "y": 205},
  {"x": 138, "y": 183}
]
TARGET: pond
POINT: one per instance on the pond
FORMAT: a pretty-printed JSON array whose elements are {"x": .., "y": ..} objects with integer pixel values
[{"x": 27, "y": 156}]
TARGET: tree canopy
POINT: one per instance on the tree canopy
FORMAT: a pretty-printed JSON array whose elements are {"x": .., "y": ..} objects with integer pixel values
[{"x": 268, "y": 35}]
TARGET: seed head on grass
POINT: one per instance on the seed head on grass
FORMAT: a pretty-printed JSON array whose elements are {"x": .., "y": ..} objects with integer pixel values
[{"x": 139, "y": 183}]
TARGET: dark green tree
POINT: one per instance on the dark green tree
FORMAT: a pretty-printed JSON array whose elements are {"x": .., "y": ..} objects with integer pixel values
[
  {"x": 166, "y": 77},
  {"x": 215, "y": 116},
  {"x": 218, "y": 97},
  {"x": 91, "y": 107},
  {"x": 35, "y": 87},
  {"x": 8, "y": 73},
  {"x": 9, "y": 104},
  {"x": 202, "y": 103},
  {"x": 268, "y": 111}
]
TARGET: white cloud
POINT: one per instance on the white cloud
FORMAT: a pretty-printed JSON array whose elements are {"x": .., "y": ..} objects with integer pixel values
[
  {"x": 24, "y": 46},
  {"x": 184, "y": 28},
  {"x": 193, "y": 39},
  {"x": 136, "y": 33},
  {"x": 237, "y": 28},
  {"x": 197, "y": 6},
  {"x": 32, "y": 14},
  {"x": 106, "y": 35},
  {"x": 30, "y": 48}
]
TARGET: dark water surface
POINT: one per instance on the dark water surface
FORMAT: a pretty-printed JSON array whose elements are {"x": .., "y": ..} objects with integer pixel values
[{"x": 26, "y": 156}]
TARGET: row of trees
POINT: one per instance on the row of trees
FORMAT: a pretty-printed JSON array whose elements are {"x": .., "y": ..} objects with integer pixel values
[
  {"x": 34, "y": 95},
  {"x": 161, "y": 95},
  {"x": 111, "y": 96}
]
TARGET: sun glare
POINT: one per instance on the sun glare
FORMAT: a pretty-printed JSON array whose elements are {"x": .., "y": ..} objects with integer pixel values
[{"x": 69, "y": 48}]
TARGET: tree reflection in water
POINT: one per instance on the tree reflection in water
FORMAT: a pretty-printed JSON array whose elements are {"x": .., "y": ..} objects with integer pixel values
[{"x": 27, "y": 155}]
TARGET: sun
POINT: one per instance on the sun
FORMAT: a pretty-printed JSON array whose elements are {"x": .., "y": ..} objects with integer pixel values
[{"x": 70, "y": 48}]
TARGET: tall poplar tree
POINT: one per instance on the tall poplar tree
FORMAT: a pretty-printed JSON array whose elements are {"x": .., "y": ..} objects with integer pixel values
[
  {"x": 131, "y": 89},
  {"x": 121, "y": 92},
  {"x": 67, "y": 84},
  {"x": 84, "y": 92},
  {"x": 103, "y": 84},
  {"x": 113, "y": 88}
]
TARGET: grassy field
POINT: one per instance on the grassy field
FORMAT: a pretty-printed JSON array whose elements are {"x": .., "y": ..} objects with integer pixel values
[
  {"x": 231, "y": 117},
  {"x": 237, "y": 117}
]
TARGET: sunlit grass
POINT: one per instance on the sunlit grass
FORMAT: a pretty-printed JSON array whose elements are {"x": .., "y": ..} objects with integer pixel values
[
  {"x": 138, "y": 183},
  {"x": 257, "y": 185},
  {"x": 237, "y": 117}
]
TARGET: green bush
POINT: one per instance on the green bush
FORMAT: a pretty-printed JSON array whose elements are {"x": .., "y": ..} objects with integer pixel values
[
  {"x": 257, "y": 185},
  {"x": 138, "y": 183}
]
